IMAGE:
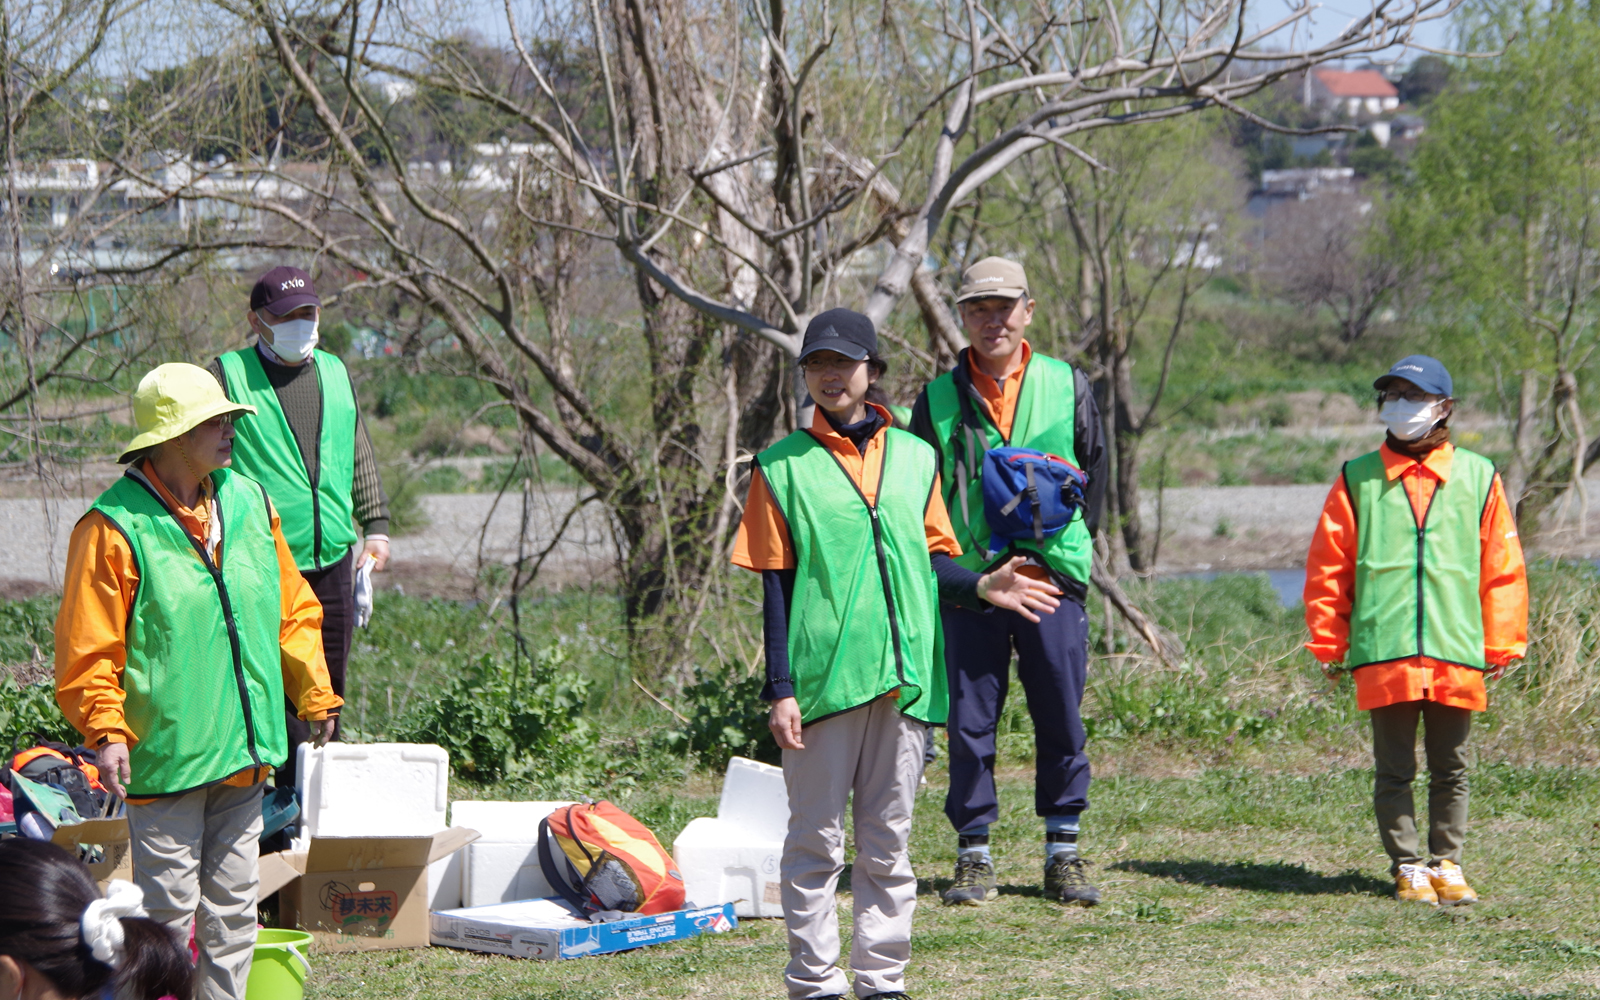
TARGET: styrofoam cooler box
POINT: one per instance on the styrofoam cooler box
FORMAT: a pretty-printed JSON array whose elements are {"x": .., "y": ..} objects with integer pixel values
[
  {"x": 379, "y": 790},
  {"x": 733, "y": 858},
  {"x": 505, "y": 866}
]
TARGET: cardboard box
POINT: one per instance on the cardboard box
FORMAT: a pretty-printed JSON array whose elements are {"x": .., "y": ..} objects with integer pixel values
[
  {"x": 110, "y": 834},
  {"x": 553, "y": 929},
  {"x": 359, "y": 893}
]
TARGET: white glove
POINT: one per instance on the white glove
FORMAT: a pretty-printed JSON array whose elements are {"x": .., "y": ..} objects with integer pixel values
[{"x": 364, "y": 591}]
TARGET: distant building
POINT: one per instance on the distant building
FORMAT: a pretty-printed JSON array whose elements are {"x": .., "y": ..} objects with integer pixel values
[
  {"x": 1304, "y": 183},
  {"x": 1350, "y": 92}
]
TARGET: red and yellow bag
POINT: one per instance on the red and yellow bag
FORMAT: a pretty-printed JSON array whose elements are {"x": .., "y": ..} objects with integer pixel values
[{"x": 608, "y": 861}]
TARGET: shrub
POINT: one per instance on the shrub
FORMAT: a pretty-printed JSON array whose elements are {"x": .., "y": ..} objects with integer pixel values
[
  {"x": 726, "y": 718},
  {"x": 31, "y": 707},
  {"x": 499, "y": 726}
]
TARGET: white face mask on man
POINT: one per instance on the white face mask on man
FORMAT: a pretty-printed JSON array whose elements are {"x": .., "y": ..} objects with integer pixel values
[
  {"x": 293, "y": 340},
  {"x": 1409, "y": 421}
]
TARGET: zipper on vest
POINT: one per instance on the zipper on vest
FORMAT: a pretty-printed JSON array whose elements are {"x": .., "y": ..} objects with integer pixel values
[
  {"x": 227, "y": 617},
  {"x": 1422, "y": 543},
  {"x": 883, "y": 559},
  {"x": 316, "y": 491},
  {"x": 888, "y": 592}
]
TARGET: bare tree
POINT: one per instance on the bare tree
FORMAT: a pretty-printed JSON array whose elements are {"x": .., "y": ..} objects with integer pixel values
[{"x": 1334, "y": 252}]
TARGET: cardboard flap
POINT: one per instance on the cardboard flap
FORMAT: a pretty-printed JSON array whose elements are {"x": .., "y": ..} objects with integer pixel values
[
  {"x": 91, "y": 831},
  {"x": 447, "y": 842},
  {"x": 278, "y": 870},
  {"x": 354, "y": 854}
]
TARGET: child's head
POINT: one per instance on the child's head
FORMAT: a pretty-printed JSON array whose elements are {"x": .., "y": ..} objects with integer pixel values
[{"x": 54, "y": 946}]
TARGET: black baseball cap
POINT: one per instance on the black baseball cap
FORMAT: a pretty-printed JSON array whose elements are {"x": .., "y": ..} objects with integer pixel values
[
  {"x": 283, "y": 290},
  {"x": 1427, "y": 374},
  {"x": 843, "y": 330}
]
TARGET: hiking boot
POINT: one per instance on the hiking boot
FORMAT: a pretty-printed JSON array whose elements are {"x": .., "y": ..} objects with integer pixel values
[
  {"x": 1064, "y": 880},
  {"x": 1413, "y": 884},
  {"x": 974, "y": 883},
  {"x": 1449, "y": 884}
]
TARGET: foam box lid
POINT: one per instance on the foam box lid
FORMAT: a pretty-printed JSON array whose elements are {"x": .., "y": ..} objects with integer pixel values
[{"x": 504, "y": 822}]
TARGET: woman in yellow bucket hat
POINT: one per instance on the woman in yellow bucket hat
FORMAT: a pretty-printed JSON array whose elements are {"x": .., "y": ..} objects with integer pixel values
[{"x": 183, "y": 623}]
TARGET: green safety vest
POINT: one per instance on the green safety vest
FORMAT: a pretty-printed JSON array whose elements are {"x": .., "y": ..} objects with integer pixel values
[
  {"x": 203, "y": 678},
  {"x": 315, "y": 516},
  {"x": 1416, "y": 586},
  {"x": 864, "y": 618},
  {"x": 1046, "y": 407}
]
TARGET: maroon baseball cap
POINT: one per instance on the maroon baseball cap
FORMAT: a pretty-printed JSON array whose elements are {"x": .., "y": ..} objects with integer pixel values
[{"x": 283, "y": 290}]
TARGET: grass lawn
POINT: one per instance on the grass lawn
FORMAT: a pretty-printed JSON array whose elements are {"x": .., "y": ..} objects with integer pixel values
[{"x": 1239, "y": 882}]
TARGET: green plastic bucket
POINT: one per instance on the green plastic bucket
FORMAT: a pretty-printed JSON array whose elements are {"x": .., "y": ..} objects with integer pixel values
[{"x": 280, "y": 967}]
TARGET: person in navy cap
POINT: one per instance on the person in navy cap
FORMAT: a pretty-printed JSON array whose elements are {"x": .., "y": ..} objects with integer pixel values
[
  {"x": 311, "y": 451},
  {"x": 1415, "y": 584}
]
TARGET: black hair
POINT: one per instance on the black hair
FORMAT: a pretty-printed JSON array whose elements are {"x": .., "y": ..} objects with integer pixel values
[{"x": 43, "y": 893}]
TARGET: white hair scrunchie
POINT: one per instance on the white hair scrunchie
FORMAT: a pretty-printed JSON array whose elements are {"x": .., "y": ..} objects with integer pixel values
[{"x": 102, "y": 920}]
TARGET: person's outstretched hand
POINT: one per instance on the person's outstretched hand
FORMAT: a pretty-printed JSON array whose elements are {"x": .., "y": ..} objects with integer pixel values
[
  {"x": 1006, "y": 588},
  {"x": 115, "y": 771},
  {"x": 784, "y": 721}
]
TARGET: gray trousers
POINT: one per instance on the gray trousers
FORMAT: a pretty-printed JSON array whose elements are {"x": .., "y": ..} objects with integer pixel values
[
  {"x": 875, "y": 753},
  {"x": 1394, "y": 756},
  {"x": 195, "y": 856}
]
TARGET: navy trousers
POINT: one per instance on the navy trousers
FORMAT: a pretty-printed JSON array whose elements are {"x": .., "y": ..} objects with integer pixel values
[{"x": 1052, "y": 663}]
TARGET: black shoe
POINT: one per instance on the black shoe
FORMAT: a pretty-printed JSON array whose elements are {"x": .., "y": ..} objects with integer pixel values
[
  {"x": 1064, "y": 880},
  {"x": 974, "y": 883},
  {"x": 887, "y": 996}
]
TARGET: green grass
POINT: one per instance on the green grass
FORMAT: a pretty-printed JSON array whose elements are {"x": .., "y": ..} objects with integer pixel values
[{"x": 1223, "y": 883}]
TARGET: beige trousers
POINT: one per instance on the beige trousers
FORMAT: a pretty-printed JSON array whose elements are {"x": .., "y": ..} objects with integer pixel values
[
  {"x": 195, "y": 856},
  {"x": 875, "y": 753}
]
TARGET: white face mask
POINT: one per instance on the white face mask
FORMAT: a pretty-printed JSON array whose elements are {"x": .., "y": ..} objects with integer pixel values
[
  {"x": 293, "y": 340},
  {"x": 1409, "y": 421}
]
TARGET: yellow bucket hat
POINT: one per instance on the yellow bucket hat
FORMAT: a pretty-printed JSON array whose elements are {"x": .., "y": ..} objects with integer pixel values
[{"x": 174, "y": 399}]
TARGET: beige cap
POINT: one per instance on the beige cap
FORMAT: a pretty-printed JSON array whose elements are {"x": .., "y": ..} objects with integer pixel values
[{"x": 993, "y": 276}]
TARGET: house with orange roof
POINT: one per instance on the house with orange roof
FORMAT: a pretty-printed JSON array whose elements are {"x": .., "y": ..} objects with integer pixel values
[{"x": 1351, "y": 92}]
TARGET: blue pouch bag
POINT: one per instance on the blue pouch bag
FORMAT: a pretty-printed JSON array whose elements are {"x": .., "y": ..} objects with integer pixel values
[{"x": 1029, "y": 495}]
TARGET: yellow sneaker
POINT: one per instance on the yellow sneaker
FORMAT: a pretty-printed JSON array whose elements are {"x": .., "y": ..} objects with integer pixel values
[
  {"x": 1413, "y": 884},
  {"x": 1449, "y": 884}
]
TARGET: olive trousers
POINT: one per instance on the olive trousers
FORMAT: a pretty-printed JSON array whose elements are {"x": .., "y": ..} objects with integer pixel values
[{"x": 1394, "y": 757}]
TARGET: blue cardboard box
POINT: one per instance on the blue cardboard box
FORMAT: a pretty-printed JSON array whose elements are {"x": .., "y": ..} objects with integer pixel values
[{"x": 553, "y": 929}]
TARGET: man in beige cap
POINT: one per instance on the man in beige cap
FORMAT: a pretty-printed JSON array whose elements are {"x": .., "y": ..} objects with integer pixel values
[
  {"x": 183, "y": 624},
  {"x": 1002, "y": 395}
]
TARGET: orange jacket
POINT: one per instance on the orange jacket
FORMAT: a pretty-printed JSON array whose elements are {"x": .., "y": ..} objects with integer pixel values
[
  {"x": 763, "y": 540},
  {"x": 1502, "y": 588},
  {"x": 91, "y": 628}
]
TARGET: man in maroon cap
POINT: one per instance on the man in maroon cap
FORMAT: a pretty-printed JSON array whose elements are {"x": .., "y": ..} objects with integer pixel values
[{"x": 311, "y": 451}]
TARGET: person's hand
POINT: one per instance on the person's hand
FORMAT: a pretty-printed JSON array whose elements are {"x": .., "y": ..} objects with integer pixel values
[
  {"x": 115, "y": 770},
  {"x": 322, "y": 730},
  {"x": 1497, "y": 670},
  {"x": 784, "y": 721},
  {"x": 1332, "y": 670},
  {"x": 1006, "y": 588},
  {"x": 377, "y": 549}
]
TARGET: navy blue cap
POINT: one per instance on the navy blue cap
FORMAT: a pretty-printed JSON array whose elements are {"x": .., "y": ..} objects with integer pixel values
[
  {"x": 1427, "y": 374},
  {"x": 843, "y": 330}
]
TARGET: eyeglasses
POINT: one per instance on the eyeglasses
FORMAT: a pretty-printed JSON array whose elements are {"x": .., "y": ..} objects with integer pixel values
[
  {"x": 225, "y": 420},
  {"x": 817, "y": 366},
  {"x": 1410, "y": 396}
]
